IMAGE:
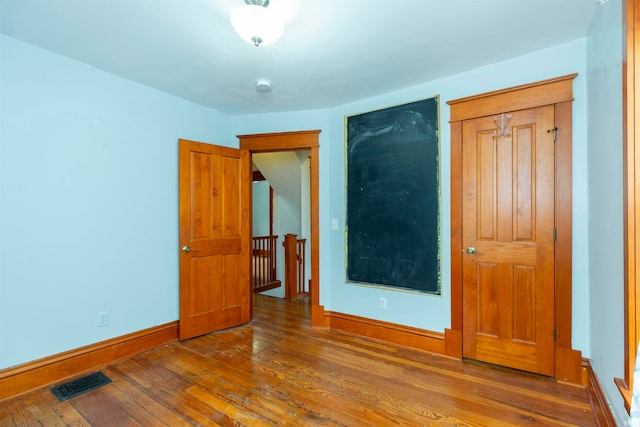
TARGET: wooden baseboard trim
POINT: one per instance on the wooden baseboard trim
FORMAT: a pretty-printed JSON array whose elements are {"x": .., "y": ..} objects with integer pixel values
[
  {"x": 407, "y": 336},
  {"x": 569, "y": 367},
  {"x": 49, "y": 370},
  {"x": 453, "y": 343},
  {"x": 599, "y": 406},
  {"x": 319, "y": 317}
]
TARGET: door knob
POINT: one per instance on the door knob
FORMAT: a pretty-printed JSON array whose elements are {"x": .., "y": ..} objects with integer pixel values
[
  {"x": 471, "y": 250},
  {"x": 186, "y": 249}
]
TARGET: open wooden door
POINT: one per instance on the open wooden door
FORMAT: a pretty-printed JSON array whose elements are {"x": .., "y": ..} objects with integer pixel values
[
  {"x": 508, "y": 237},
  {"x": 215, "y": 237}
]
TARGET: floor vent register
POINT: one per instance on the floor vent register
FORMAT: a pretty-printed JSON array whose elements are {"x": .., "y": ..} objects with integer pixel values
[{"x": 80, "y": 386}]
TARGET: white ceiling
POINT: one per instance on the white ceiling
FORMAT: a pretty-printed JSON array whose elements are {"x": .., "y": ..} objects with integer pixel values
[{"x": 332, "y": 52}]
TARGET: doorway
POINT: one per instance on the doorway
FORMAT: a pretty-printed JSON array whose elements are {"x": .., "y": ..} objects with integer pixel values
[
  {"x": 292, "y": 141},
  {"x": 281, "y": 222},
  {"x": 556, "y": 93}
]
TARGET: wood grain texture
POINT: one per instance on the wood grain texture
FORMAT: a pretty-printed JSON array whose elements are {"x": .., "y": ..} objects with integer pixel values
[
  {"x": 456, "y": 231},
  {"x": 277, "y": 370},
  {"x": 388, "y": 332},
  {"x": 566, "y": 363},
  {"x": 567, "y": 368},
  {"x": 546, "y": 92},
  {"x": 215, "y": 223},
  {"x": 317, "y": 319},
  {"x": 601, "y": 411},
  {"x": 290, "y": 266},
  {"x": 280, "y": 141},
  {"x": 508, "y": 217},
  {"x": 631, "y": 191}
]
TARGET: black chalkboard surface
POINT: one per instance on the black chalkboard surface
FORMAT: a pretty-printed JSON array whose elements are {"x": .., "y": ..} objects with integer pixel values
[{"x": 393, "y": 197}]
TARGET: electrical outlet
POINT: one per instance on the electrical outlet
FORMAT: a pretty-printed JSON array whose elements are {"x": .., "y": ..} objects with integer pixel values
[
  {"x": 383, "y": 303},
  {"x": 103, "y": 319}
]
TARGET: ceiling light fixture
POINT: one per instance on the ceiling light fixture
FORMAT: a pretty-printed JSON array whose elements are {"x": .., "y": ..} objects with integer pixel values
[{"x": 256, "y": 24}]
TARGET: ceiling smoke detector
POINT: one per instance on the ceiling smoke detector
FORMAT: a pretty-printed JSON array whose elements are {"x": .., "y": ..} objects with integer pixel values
[{"x": 263, "y": 85}]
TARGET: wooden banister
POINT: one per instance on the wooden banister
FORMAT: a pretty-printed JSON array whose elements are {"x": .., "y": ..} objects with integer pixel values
[{"x": 263, "y": 258}]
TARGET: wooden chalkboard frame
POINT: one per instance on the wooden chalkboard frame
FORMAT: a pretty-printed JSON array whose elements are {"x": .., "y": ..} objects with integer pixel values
[{"x": 392, "y": 192}]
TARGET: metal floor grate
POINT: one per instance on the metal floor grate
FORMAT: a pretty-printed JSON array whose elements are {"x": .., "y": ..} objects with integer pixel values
[{"x": 80, "y": 386}]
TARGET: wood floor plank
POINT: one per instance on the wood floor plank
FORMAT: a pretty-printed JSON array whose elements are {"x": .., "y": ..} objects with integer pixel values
[
  {"x": 167, "y": 389},
  {"x": 486, "y": 384},
  {"x": 139, "y": 405},
  {"x": 278, "y": 370},
  {"x": 229, "y": 407},
  {"x": 5, "y": 416},
  {"x": 40, "y": 406},
  {"x": 230, "y": 378},
  {"x": 352, "y": 364},
  {"x": 70, "y": 415},
  {"x": 97, "y": 406},
  {"x": 21, "y": 415},
  {"x": 311, "y": 388}
]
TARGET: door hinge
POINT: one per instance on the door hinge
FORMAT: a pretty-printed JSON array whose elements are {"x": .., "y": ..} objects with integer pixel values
[
  {"x": 555, "y": 133},
  {"x": 555, "y": 334},
  {"x": 555, "y": 234}
]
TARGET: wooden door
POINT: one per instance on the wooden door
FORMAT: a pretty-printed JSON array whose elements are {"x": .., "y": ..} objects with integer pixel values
[
  {"x": 215, "y": 237},
  {"x": 508, "y": 239}
]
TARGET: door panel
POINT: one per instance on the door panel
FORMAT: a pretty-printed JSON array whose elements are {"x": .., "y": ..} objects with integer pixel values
[
  {"x": 508, "y": 218},
  {"x": 214, "y": 225}
]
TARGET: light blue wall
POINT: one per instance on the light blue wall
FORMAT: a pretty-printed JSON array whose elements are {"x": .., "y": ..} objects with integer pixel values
[
  {"x": 419, "y": 310},
  {"x": 92, "y": 225},
  {"x": 433, "y": 312},
  {"x": 604, "y": 63},
  {"x": 88, "y": 201},
  {"x": 260, "y": 208}
]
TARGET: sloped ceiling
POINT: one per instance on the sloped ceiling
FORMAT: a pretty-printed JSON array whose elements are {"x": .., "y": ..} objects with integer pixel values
[{"x": 332, "y": 52}]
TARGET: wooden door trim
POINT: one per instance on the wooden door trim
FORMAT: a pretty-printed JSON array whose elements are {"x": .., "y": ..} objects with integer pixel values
[
  {"x": 289, "y": 141},
  {"x": 557, "y": 92},
  {"x": 280, "y": 141},
  {"x": 631, "y": 193},
  {"x": 531, "y": 95}
]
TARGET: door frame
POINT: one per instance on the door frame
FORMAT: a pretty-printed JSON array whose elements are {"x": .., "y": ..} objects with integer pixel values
[
  {"x": 631, "y": 192},
  {"x": 559, "y": 93},
  {"x": 290, "y": 141}
]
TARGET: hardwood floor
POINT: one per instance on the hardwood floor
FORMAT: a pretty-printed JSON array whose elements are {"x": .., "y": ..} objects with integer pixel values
[{"x": 279, "y": 371}]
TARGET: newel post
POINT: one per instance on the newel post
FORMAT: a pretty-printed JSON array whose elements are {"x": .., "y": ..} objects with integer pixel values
[{"x": 290, "y": 265}]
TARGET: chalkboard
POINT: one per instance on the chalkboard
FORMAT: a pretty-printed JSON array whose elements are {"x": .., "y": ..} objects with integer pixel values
[{"x": 393, "y": 197}]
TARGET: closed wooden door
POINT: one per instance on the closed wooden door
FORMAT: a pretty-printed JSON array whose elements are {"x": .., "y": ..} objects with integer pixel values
[
  {"x": 215, "y": 237},
  {"x": 508, "y": 239}
]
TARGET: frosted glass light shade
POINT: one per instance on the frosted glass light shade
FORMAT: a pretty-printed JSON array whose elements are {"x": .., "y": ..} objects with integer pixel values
[{"x": 256, "y": 24}]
